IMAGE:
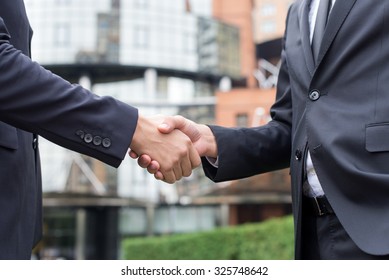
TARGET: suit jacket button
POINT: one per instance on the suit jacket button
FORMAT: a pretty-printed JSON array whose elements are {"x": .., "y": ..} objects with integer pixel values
[
  {"x": 106, "y": 142},
  {"x": 298, "y": 154},
  {"x": 88, "y": 138},
  {"x": 314, "y": 95},
  {"x": 97, "y": 140},
  {"x": 80, "y": 133},
  {"x": 35, "y": 143}
]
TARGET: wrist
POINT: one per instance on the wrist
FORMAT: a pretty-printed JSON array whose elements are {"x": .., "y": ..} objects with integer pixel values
[
  {"x": 210, "y": 142},
  {"x": 138, "y": 134}
]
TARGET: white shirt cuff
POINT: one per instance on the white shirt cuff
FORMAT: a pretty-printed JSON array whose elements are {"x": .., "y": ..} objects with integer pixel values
[{"x": 213, "y": 161}]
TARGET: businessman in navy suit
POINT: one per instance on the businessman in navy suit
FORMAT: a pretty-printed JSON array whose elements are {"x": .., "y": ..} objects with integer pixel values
[
  {"x": 330, "y": 125},
  {"x": 33, "y": 101}
]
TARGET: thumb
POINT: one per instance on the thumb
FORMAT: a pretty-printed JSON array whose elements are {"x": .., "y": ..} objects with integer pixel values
[
  {"x": 170, "y": 123},
  {"x": 179, "y": 122},
  {"x": 165, "y": 127}
]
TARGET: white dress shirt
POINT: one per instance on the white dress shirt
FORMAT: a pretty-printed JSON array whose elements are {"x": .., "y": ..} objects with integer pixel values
[{"x": 313, "y": 188}]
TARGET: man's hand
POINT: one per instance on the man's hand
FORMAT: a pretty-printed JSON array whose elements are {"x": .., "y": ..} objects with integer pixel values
[
  {"x": 173, "y": 152},
  {"x": 201, "y": 136}
]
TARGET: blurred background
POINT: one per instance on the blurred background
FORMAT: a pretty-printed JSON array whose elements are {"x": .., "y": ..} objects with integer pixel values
[{"x": 213, "y": 61}]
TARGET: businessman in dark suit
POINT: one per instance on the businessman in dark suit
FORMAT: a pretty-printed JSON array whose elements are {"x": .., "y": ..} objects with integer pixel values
[
  {"x": 330, "y": 124},
  {"x": 34, "y": 101}
]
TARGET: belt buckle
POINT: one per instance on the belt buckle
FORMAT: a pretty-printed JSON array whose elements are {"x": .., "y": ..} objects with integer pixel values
[{"x": 319, "y": 210}]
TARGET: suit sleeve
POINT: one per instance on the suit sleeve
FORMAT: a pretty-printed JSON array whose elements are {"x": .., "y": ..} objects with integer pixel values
[
  {"x": 36, "y": 100},
  {"x": 244, "y": 152}
]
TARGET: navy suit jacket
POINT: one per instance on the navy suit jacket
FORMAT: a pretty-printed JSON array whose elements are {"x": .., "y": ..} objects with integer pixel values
[
  {"x": 338, "y": 109},
  {"x": 35, "y": 101}
]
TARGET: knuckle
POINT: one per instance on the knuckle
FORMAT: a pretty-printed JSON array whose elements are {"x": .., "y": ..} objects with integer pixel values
[
  {"x": 151, "y": 171},
  {"x": 169, "y": 181},
  {"x": 175, "y": 162},
  {"x": 184, "y": 149},
  {"x": 182, "y": 153},
  {"x": 187, "y": 142}
]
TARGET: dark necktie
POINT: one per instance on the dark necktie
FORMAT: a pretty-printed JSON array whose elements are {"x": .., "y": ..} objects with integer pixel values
[{"x": 320, "y": 25}]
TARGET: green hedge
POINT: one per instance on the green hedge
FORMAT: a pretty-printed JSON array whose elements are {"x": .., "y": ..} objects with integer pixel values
[{"x": 269, "y": 240}]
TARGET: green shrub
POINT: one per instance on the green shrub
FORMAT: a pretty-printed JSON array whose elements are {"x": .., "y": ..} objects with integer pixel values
[{"x": 269, "y": 240}]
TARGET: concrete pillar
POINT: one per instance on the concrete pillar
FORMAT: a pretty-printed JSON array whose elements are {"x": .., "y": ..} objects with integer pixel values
[
  {"x": 150, "y": 214},
  {"x": 225, "y": 84},
  {"x": 80, "y": 246},
  {"x": 85, "y": 81},
  {"x": 151, "y": 79},
  {"x": 224, "y": 214}
]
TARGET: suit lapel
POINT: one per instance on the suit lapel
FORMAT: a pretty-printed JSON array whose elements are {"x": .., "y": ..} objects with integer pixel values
[
  {"x": 304, "y": 33},
  {"x": 338, "y": 14}
]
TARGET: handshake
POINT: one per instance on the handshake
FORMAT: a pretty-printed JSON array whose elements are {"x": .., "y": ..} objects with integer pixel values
[{"x": 171, "y": 147}]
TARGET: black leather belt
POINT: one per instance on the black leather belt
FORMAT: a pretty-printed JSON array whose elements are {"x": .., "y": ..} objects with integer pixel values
[{"x": 320, "y": 205}]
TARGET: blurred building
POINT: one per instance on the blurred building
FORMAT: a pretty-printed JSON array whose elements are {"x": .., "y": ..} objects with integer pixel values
[
  {"x": 269, "y": 18},
  {"x": 200, "y": 59}
]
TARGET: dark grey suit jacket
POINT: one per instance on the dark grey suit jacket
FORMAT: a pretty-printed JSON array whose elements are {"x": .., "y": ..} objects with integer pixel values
[
  {"x": 338, "y": 109},
  {"x": 33, "y": 100}
]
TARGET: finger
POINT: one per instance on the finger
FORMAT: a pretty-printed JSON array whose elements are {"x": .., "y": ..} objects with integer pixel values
[
  {"x": 186, "y": 162},
  {"x": 189, "y": 128},
  {"x": 132, "y": 154},
  {"x": 171, "y": 123},
  {"x": 186, "y": 166},
  {"x": 153, "y": 167},
  {"x": 195, "y": 159},
  {"x": 144, "y": 161},
  {"x": 178, "y": 172},
  {"x": 179, "y": 122},
  {"x": 165, "y": 127},
  {"x": 159, "y": 176},
  {"x": 169, "y": 177}
]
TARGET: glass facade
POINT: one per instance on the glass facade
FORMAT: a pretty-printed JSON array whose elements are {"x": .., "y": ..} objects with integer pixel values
[
  {"x": 131, "y": 32},
  {"x": 218, "y": 48}
]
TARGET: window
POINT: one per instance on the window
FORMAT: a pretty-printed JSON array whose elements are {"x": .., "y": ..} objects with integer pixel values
[
  {"x": 141, "y": 3},
  {"x": 140, "y": 36},
  {"x": 189, "y": 43},
  {"x": 61, "y": 34},
  {"x": 269, "y": 26},
  {"x": 268, "y": 9},
  {"x": 63, "y": 2},
  {"x": 242, "y": 120}
]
